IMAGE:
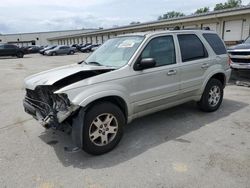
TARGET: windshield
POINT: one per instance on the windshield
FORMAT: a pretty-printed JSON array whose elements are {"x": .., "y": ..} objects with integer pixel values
[
  {"x": 115, "y": 52},
  {"x": 247, "y": 40}
]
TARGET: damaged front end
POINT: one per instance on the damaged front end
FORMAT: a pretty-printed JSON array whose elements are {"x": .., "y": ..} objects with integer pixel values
[{"x": 48, "y": 108}]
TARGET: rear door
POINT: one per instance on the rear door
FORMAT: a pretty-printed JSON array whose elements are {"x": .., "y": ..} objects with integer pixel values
[
  {"x": 194, "y": 63},
  {"x": 61, "y": 50},
  {"x": 66, "y": 49}
]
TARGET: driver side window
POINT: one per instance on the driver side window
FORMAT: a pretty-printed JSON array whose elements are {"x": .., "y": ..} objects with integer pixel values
[{"x": 162, "y": 50}]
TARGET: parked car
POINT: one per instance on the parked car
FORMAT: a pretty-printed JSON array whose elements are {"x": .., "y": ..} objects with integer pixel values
[
  {"x": 88, "y": 47},
  {"x": 126, "y": 78},
  {"x": 95, "y": 47},
  {"x": 33, "y": 49},
  {"x": 46, "y": 48},
  {"x": 11, "y": 50},
  {"x": 240, "y": 55},
  {"x": 59, "y": 50}
]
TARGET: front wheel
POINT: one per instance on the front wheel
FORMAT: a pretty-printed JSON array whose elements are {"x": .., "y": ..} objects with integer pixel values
[
  {"x": 212, "y": 96},
  {"x": 103, "y": 128}
]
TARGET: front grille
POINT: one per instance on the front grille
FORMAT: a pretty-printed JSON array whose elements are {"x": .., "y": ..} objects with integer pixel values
[
  {"x": 240, "y": 60},
  {"x": 239, "y": 53},
  {"x": 37, "y": 99}
]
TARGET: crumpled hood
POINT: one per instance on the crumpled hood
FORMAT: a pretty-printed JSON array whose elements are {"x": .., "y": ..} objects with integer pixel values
[
  {"x": 54, "y": 75},
  {"x": 244, "y": 46}
]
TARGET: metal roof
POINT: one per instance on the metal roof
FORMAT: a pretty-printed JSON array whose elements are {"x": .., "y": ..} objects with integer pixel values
[
  {"x": 83, "y": 30},
  {"x": 164, "y": 21}
]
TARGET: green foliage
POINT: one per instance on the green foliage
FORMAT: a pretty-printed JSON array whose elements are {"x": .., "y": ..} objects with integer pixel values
[
  {"x": 172, "y": 14},
  {"x": 228, "y": 4},
  {"x": 202, "y": 10},
  {"x": 134, "y": 23}
]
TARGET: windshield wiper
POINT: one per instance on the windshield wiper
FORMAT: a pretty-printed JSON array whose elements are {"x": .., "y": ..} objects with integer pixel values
[
  {"x": 82, "y": 62},
  {"x": 94, "y": 63}
]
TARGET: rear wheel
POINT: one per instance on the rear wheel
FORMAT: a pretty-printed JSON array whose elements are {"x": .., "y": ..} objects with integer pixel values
[
  {"x": 103, "y": 128},
  {"x": 19, "y": 54},
  {"x": 53, "y": 53},
  {"x": 212, "y": 96},
  {"x": 71, "y": 52}
]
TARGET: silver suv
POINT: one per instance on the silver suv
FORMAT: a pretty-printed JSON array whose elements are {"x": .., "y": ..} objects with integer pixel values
[{"x": 126, "y": 78}]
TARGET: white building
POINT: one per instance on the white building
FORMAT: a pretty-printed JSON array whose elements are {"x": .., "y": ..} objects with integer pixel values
[
  {"x": 37, "y": 38},
  {"x": 231, "y": 24}
]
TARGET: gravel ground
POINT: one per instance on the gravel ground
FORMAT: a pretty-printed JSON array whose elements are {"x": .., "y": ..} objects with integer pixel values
[{"x": 179, "y": 147}]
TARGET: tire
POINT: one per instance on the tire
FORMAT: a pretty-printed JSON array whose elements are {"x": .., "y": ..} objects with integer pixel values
[
  {"x": 111, "y": 131},
  {"x": 53, "y": 53},
  {"x": 19, "y": 54},
  {"x": 212, "y": 96},
  {"x": 71, "y": 52}
]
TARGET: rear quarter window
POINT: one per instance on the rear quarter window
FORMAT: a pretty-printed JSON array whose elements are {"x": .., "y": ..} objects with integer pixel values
[{"x": 215, "y": 42}]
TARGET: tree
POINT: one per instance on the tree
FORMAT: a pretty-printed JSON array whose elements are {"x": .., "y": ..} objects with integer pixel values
[
  {"x": 228, "y": 4},
  {"x": 134, "y": 23},
  {"x": 172, "y": 14},
  {"x": 202, "y": 10}
]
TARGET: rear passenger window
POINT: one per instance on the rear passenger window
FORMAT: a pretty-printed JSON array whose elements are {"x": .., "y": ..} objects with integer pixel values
[
  {"x": 215, "y": 42},
  {"x": 162, "y": 49},
  {"x": 191, "y": 47}
]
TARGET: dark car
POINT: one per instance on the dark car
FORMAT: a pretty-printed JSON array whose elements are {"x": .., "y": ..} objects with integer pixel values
[
  {"x": 240, "y": 55},
  {"x": 33, "y": 49},
  {"x": 86, "y": 47},
  {"x": 46, "y": 48},
  {"x": 11, "y": 50},
  {"x": 89, "y": 47}
]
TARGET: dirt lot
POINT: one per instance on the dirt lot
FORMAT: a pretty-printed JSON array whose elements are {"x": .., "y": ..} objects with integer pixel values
[{"x": 179, "y": 147}]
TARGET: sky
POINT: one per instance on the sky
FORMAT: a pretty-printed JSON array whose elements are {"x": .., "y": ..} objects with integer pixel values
[{"x": 18, "y": 16}]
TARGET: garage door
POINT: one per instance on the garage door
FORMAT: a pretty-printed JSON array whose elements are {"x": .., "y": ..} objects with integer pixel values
[
  {"x": 233, "y": 30},
  {"x": 105, "y": 37},
  {"x": 93, "y": 39},
  {"x": 99, "y": 38},
  {"x": 212, "y": 26},
  {"x": 89, "y": 40}
]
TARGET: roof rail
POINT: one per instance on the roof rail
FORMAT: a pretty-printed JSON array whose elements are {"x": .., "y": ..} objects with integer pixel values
[{"x": 195, "y": 28}]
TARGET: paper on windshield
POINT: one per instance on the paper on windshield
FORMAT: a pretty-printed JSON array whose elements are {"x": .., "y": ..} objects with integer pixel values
[{"x": 127, "y": 44}]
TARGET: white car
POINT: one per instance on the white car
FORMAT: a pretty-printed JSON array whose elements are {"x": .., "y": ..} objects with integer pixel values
[{"x": 126, "y": 78}]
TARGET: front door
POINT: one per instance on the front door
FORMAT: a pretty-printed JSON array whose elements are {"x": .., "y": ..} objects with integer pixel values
[{"x": 154, "y": 87}]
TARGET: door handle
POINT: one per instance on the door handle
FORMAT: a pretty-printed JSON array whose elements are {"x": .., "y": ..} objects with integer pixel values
[
  {"x": 205, "y": 66},
  {"x": 172, "y": 72}
]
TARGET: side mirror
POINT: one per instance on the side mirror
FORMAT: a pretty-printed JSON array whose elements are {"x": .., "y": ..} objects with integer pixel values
[{"x": 145, "y": 63}]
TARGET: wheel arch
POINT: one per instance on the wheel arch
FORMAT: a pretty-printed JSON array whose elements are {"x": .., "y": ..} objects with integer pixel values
[
  {"x": 117, "y": 100},
  {"x": 78, "y": 120},
  {"x": 221, "y": 76}
]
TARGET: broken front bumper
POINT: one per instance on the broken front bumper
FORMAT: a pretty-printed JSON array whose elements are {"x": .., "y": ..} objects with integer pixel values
[
  {"x": 49, "y": 109},
  {"x": 49, "y": 121}
]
